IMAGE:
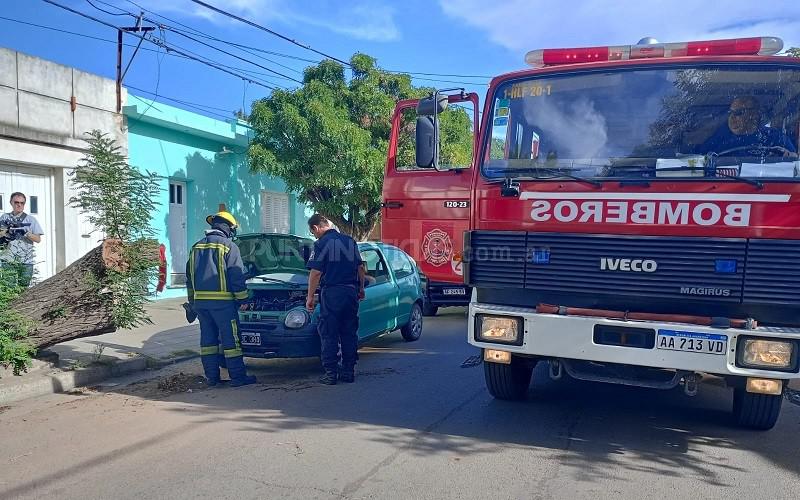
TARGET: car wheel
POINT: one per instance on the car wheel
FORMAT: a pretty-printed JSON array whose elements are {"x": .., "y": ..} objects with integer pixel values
[
  {"x": 511, "y": 381},
  {"x": 756, "y": 411},
  {"x": 413, "y": 329},
  {"x": 429, "y": 310}
]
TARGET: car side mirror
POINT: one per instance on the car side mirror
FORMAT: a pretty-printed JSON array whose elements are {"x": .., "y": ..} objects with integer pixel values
[
  {"x": 427, "y": 130},
  {"x": 306, "y": 253},
  {"x": 426, "y": 150}
]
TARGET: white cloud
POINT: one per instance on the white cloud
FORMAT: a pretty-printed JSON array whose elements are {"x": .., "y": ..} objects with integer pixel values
[
  {"x": 523, "y": 25},
  {"x": 365, "y": 19}
]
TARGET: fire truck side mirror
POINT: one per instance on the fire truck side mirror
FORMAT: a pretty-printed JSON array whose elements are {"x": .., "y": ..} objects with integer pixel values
[{"x": 426, "y": 147}]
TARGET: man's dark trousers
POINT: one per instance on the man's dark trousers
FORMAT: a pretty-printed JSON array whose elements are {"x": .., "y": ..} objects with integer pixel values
[
  {"x": 338, "y": 325},
  {"x": 219, "y": 328}
]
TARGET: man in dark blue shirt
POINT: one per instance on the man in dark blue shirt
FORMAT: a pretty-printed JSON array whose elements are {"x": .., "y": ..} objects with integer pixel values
[
  {"x": 337, "y": 268},
  {"x": 744, "y": 134}
]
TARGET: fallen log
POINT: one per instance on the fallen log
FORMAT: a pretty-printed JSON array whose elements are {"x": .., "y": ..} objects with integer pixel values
[{"x": 72, "y": 303}]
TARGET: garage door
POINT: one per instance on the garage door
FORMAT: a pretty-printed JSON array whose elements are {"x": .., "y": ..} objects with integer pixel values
[{"x": 38, "y": 188}]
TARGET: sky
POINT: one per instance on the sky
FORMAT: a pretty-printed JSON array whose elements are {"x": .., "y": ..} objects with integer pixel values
[{"x": 470, "y": 41}]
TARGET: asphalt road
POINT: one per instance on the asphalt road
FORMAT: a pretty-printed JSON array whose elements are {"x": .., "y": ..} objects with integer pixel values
[{"x": 416, "y": 424}]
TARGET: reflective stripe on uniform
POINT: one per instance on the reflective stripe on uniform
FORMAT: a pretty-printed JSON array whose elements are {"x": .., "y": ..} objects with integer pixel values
[
  {"x": 232, "y": 353},
  {"x": 235, "y": 330},
  {"x": 209, "y": 350},
  {"x": 240, "y": 295},
  {"x": 221, "y": 266},
  {"x": 205, "y": 295},
  {"x": 212, "y": 246}
]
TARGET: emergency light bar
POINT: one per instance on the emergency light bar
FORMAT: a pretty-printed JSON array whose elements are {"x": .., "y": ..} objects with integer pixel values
[{"x": 762, "y": 46}]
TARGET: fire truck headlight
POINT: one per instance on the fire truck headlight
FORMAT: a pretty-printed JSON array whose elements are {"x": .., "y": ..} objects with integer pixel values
[
  {"x": 767, "y": 353},
  {"x": 498, "y": 329}
]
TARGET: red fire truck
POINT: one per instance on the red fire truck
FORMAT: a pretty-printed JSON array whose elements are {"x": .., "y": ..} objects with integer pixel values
[{"x": 631, "y": 215}]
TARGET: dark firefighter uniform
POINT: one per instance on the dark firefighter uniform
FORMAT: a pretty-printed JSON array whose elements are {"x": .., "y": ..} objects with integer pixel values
[
  {"x": 215, "y": 286},
  {"x": 337, "y": 257}
]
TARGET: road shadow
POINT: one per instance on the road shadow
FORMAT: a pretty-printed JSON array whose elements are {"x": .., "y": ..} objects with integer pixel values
[{"x": 417, "y": 398}]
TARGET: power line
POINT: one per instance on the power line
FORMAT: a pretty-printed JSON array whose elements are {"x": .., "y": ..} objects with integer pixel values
[
  {"x": 202, "y": 107},
  {"x": 274, "y": 33},
  {"x": 183, "y": 34},
  {"x": 199, "y": 33},
  {"x": 159, "y": 43},
  {"x": 103, "y": 10},
  {"x": 248, "y": 48},
  {"x": 235, "y": 56},
  {"x": 158, "y": 51}
]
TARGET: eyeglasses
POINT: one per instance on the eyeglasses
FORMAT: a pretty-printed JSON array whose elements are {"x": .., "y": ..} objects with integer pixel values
[{"x": 742, "y": 111}]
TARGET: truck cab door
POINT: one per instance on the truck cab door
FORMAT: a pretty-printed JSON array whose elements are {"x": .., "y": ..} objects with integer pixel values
[{"x": 426, "y": 210}]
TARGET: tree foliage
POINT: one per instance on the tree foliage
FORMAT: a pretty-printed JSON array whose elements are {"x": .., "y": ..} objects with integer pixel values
[
  {"x": 119, "y": 201},
  {"x": 15, "y": 351},
  {"x": 793, "y": 52},
  {"x": 328, "y": 139}
]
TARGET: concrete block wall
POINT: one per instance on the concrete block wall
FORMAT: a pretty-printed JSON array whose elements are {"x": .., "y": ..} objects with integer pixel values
[{"x": 36, "y": 102}]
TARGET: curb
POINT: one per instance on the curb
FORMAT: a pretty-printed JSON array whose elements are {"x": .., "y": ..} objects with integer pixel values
[{"x": 41, "y": 384}]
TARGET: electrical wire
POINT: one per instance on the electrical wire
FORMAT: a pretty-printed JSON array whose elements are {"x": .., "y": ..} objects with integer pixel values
[
  {"x": 249, "y": 49},
  {"x": 146, "y": 49},
  {"x": 159, "y": 59},
  {"x": 167, "y": 48},
  {"x": 193, "y": 30},
  {"x": 210, "y": 37},
  {"x": 105, "y": 11},
  {"x": 274, "y": 33},
  {"x": 211, "y": 110}
]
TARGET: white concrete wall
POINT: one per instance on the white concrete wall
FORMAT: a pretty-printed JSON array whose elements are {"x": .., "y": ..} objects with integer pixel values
[{"x": 40, "y": 128}]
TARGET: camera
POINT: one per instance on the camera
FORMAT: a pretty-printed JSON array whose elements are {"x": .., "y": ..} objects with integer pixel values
[{"x": 11, "y": 229}]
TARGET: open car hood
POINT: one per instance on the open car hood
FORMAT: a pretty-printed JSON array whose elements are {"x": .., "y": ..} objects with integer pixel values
[{"x": 288, "y": 279}]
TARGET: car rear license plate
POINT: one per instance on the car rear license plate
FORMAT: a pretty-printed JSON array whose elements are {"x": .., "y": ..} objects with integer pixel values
[
  {"x": 703, "y": 343},
  {"x": 251, "y": 338},
  {"x": 454, "y": 291}
]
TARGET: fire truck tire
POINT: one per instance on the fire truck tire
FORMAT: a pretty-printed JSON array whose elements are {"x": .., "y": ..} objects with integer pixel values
[
  {"x": 509, "y": 382},
  {"x": 756, "y": 411},
  {"x": 413, "y": 329},
  {"x": 429, "y": 309}
]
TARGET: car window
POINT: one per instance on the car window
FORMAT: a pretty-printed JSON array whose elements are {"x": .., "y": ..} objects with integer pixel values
[
  {"x": 377, "y": 272},
  {"x": 399, "y": 262}
]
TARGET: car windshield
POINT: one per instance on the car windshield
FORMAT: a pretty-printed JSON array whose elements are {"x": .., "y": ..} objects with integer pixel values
[
  {"x": 714, "y": 121},
  {"x": 267, "y": 253}
]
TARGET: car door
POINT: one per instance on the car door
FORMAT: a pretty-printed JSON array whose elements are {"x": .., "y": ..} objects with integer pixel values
[
  {"x": 377, "y": 313},
  {"x": 407, "y": 279}
]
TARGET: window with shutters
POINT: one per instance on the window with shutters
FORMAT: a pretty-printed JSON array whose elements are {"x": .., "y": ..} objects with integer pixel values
[{"x": 274, "y": 212}]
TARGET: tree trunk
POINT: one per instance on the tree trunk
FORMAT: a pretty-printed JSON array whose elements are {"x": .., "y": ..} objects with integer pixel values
[{"x": 68, "y": 305}]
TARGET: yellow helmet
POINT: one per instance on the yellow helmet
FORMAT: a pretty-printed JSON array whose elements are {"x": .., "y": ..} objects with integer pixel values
[{"x": 226, "y": 216}]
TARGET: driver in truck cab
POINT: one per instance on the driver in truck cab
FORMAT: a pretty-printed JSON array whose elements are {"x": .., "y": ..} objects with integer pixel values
[{"x": 744, "y": 129}]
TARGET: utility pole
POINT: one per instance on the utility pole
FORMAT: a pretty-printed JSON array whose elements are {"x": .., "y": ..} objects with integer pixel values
[{"x": 120, "y": 74}]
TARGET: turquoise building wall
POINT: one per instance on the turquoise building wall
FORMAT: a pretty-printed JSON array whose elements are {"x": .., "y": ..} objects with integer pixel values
[{"x": 210, "y": 157}]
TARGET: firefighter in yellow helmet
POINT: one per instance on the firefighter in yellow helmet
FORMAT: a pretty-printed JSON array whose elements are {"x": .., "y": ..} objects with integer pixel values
[{"x": 216, "y": 286}]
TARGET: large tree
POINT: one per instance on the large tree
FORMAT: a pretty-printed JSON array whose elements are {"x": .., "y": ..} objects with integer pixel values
[{"x": 328, "y": 139}]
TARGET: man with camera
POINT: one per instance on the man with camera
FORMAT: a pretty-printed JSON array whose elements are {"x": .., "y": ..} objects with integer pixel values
[{"x": 18, "y": 232}]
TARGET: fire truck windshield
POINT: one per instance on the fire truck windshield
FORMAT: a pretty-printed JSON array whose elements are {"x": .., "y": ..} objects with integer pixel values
[{"x": 710, "y": 121}]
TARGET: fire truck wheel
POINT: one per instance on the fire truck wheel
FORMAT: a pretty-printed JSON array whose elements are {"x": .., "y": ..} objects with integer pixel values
[
  {"x": 413, "y": 329},
  {"x": 429, "y": 310},
  {"x": 511, "y": 381},
  {"x": 756, "y": 411}
]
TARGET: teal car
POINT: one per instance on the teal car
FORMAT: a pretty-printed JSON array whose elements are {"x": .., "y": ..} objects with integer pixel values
[{"x": 274, "y": 320}]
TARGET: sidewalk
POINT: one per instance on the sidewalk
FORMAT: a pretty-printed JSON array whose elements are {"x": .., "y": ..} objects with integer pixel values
[
  {"x": 91, "y": 360},
  {"x": 168, "y": 338}
]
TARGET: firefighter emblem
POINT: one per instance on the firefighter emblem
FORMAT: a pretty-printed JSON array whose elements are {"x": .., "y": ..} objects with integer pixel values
[{"x": 437, "y": 247}]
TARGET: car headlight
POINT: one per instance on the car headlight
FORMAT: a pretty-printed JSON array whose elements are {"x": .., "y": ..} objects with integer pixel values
[
  {"x": 766, "y": 353},
  {"x": 498, "y": 329},
  {"x": 296, "y": 318}
]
